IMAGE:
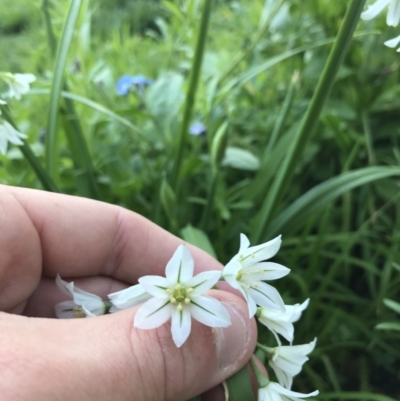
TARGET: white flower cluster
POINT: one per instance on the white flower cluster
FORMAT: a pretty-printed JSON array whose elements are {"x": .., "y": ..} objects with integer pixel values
[
  {"x": 18, "y": 85},
  {"x": 180, "y": 296},
  {"x": 392, "y": 17}
]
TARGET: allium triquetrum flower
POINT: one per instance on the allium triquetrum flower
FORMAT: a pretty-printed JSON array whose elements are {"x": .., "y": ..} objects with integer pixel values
[
  {"x": 247, "y": 270},
  {"x": 83, "y": 304},
  {"x": 18, "y": 83},
  {"x": 274, "y": 392},
  {"x": 282, "y": 322},
  {"x": 287, "y": 361},
  {"x": 179, "y": 296},
  {"x": 393, "y": 15},
  {"x": 129, "y": 297},
  {"x": 9, "y": 134}
]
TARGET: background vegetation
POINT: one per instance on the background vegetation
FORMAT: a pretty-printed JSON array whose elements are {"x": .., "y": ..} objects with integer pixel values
[{"x": 340, "y": 213}]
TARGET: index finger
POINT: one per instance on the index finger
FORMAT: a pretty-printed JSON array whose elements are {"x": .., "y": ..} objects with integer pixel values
[{"x": 83, "y": 237}]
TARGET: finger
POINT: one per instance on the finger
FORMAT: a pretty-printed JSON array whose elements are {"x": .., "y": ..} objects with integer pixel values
[
  {"x": 78, "y": 237},
  {"x": 106, "y": 358}
]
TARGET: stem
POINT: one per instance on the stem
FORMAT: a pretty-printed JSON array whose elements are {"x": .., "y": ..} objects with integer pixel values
[
  {"x": 210, "y": 201},
  {"x": 191, "y": 93},
  {"x": 40, "y": 172},
  {"x": 310, "y": 119},
  {"x": 261, "y": 379}
]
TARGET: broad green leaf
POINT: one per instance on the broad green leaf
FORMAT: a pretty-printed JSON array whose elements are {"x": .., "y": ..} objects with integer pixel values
[
  {"x": 61, "y": 59},
  {"x": 388, "y": 326},
  {"x": 239, "y": 386},
  {"x": 240, "y": 159},
  {"x": 199, "y": 238},
  {"x": 392, "y": 305}
]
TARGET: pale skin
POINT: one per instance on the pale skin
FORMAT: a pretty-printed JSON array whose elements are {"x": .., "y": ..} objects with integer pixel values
[{"x": 102, "y": 248}]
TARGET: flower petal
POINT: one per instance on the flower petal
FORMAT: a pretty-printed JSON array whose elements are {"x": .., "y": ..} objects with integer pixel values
[
  {"x": 153, "y": 313},
  {"x": 393, "y": 15},
  {"x": 265, "y": 271},
  {"x": 64, "y": 310},
  {"x": 230, "y": 272},
  {"x": 261, "y": 252},
  {"x": 297, "y": 310},
  {"x": 181, "y": 324},
  {"x": 288, "y": 393},
  {"x": 251, "y": 303},
  {"x": 392, "y": 42},
  {"x": 374, "y": 9},
  {"x": 209, "y": 311},
  {"x": 155, "y": 285},
  {"x": 180, "y": 267},
  {"x": 129, "y": 297},
  {"x": 203, "y": 282},
  {"x": 244, "y": 243},
  {"x": 267, "y": 296}
]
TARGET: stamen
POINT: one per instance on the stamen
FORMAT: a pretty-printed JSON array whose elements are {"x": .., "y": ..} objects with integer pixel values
[
  {"x": 190, "y": 289},
  {"x": 187, "y": 301},
  {"x": 173, "y": 300},
  {"x": 179, "y": 307}
]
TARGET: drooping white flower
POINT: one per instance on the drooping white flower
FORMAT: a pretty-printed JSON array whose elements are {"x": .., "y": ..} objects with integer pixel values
[
  {"x": 393, "y": 15},
  {"x": 179, "y": 297},
  {"x": 9, "y": 134},
  {"x": 282, "y": 322},
  {"x": 129, "y": 297},
  {"x": 274, "y": 392},
  {"x": 247, "y": 270},
  {"x": 287, "y": 361},
  {"x": 18, "y": 83},
  {"x": 393, "y": 43},
  {"x": 83, "y": 304}
]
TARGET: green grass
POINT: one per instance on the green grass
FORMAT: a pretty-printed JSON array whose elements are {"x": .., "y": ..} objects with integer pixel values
[{"x": 339, "y": 216}]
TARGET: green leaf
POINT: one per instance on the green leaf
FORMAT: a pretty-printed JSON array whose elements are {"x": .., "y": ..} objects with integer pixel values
[
  {"x": 199, "y": 238},
  {"x": 392, "y": 305},
  {"x": 357, "y": 395},
  {"x": 240, "y": 159},
  {"x": 239, "y": 386},
  {"x": 319, "y": 196},
  {"x": 388, "y": 326},
  {"x": 61, "y": 58}
]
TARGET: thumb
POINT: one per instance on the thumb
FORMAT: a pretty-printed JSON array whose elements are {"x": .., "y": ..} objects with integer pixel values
[{"x": 107, "y": 358}]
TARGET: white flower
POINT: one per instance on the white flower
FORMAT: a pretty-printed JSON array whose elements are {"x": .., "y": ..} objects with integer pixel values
[
  {"x": 246, "y": 272},
  {"x": 393, "y": 43},
  {"x": 18, "y": 83},
  {"x": 287, "y": 361},
  {"x": 274, "y": 392},
  {"x": 84, "y": 304},
  {"x": 129, "y": 297},
  {"x": 179, "y": 297},
  {"x": 393, "y": 15},
  {"x": 9, "y": 134},
  {"x": 282, "y": 322}
]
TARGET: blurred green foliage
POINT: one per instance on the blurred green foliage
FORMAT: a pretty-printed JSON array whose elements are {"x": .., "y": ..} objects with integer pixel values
[{"x": 342, "y": 247}]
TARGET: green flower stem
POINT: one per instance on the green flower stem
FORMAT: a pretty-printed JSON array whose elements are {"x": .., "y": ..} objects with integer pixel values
[
  {"x": 61, "y": 58},
  {"x": 210, "y": 200},
  {"x": 310, "y": 120},
  {"x": 268, "y": 351},
  {"x": 40, "y": 172},
  {"x": 261, "y": 379},
  {"x": 73, "y": 129},
  {"x": 191, "y": 93}
]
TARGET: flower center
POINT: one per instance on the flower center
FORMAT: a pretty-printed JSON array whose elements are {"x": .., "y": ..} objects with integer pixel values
[
  {"x": 179, "y": 293},
  {"x": 79, "y": 312}
]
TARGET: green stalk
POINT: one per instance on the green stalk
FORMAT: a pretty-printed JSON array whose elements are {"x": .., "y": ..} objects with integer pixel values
[
  {"x": 310, "y": 119},
  {"x": 210, "y": 200},
  {"x": 75, "y": 136},
  {"x": 191, "y": 93},
  {"x": 61, "y": 58},
  {"x": 40, "y": 172}
]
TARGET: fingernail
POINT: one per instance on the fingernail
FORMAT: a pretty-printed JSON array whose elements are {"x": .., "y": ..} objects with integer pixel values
[{"x": 232, "y": 341}]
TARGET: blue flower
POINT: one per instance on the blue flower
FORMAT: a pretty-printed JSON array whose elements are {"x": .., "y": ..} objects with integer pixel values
[
  {"x": 197, "y": 129},
  {"x": 126, "y": 82}
]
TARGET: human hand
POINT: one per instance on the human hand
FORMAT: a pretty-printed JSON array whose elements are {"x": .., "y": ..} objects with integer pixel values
[{"x": 103, "y": 249}]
